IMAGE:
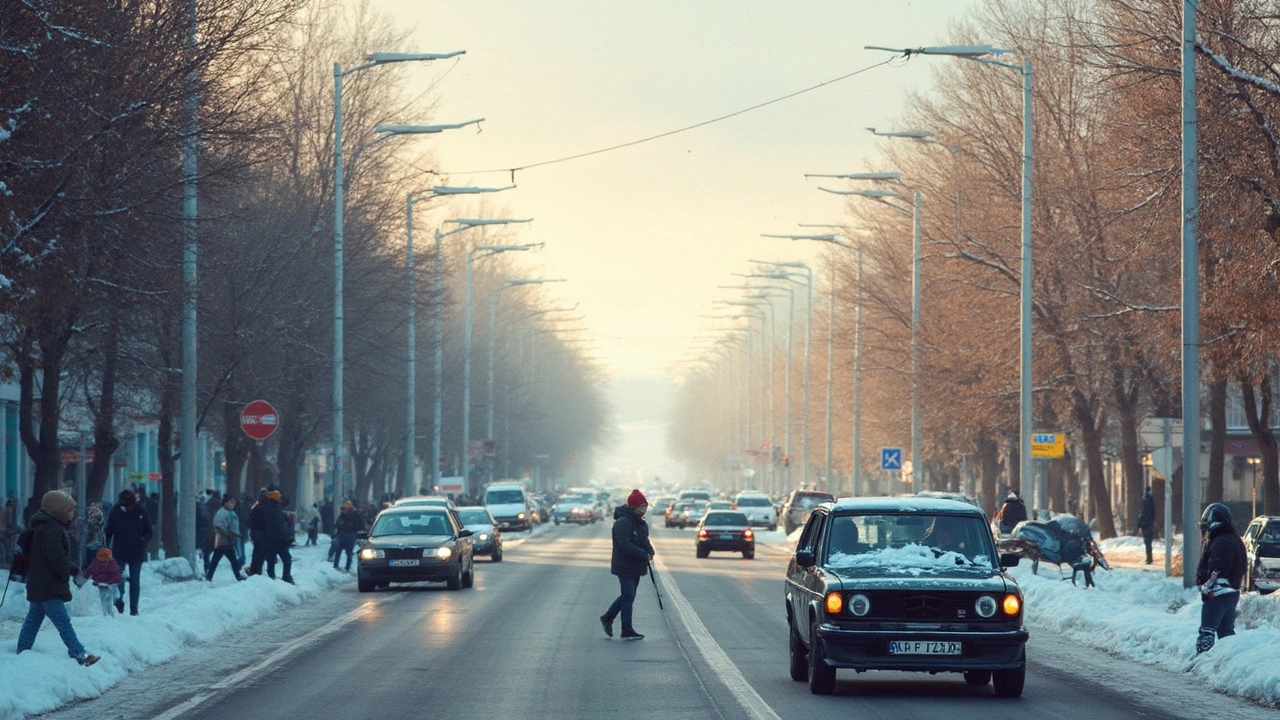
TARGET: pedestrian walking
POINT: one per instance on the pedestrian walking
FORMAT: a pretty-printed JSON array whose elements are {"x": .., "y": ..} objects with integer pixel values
[
  {"x": 632, "y": 552},
  {"x": 279, "y": 532},
  {"x": 104, "y": 573},
  {"x": 48, "y": 581},
  {"x": 128, "y": 532},
  {"x": 226, "y": 529},
  {"x": 1012, "y": 512},
  {"x": 349, "y": 523},
  {"x": 311, "y": 521},
  {"x": 93, "y": 533},
  {"x": 1147, "y": 521},
  {"x": 258, "y": 536},
  {"x": 1222, "y": 567}
]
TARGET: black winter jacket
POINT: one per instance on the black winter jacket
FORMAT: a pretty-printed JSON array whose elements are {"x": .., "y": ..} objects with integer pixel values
[
  {"x": 1224, "y": 553},
  {"x": 350, "y": 522},
  {"x": 51, "y": 566},
  {"x": 1147, "y": 516},
  {"x": 276, "y": 527},
  {"x": 631, "y": 547},
  {"x": 128, "y": 532}
]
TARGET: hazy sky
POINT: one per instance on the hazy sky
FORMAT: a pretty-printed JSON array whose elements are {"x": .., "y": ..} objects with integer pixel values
[{"x": 645, "y": 234}]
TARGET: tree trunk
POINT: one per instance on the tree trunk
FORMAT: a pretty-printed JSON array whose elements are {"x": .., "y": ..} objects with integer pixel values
[
  {"x": 105, "y": 441},
  {"x": 1257, "y": 412},
  {"x": 989, "y": 467},
  {"x": 235, "y": 450},
  {"x": 1217, "y": 439},
  {"x": 43, "y": 448},
  {"x": 1125, "y": 396},
  {"x": 1093, "y": 460}
]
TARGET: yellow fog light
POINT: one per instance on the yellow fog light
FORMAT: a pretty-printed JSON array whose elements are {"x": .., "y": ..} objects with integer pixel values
[
  {"x": 835, "y": 603},
  {"x": 1012, "y": 604}
]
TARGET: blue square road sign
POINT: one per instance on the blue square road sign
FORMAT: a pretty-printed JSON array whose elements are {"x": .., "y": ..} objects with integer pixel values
[{"x": 890, "y": 458}]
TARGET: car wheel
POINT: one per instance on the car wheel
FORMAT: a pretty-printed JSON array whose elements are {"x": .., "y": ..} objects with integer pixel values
[
  {"x": 364, "y": 585},
  {"x": 799, "y": 660},
  {"x": 703, "y": 553},
  {"x": 455, "y": 582},
  {"x": 469, "y": 579},
  {"x": 978, "y": 677},
  {"x": 1008, "y": 683},
  {"x": 822, "y": 677},
  {"x": 748, "y": 554}
]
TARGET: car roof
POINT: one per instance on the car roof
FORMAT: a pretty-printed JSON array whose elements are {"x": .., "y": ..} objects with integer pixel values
[
  {"x": 415, "y": 509},
  {"x": 905, "y": 505}
]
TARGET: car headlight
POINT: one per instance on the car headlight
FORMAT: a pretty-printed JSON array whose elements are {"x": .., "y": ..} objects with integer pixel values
[
  {"x": 482, "y": 537},
  {"x": 1012, "y": 604},
  {"x": 520, "y": 516},
  {"x": 835, "y": 603},
  {"x": 985, "y": 605},
  {"x": 859, "y": 604},
  {"x": 370, "y": 554},
  {"x": 443, "y": 552}
]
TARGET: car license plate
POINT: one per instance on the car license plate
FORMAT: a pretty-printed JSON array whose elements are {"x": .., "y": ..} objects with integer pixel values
[
  {"x": 923, "y": 647},
  {"x": 726, "y": 536},
  {"x": 404, "y": 563}
]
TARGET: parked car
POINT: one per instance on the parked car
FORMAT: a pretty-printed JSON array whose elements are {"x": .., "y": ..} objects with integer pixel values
[
  {"x": 903, "y": 584},
  {"x": 796, "y": 509},
  {"x": 1262, "y": 550},
  {"x": 485, "y": 534},
  {"x": 758, "y": 509},
  {"x": 575, "y": 509},
  {"x": 416, "y": 543},
  {"x": 726, "y": 531}
]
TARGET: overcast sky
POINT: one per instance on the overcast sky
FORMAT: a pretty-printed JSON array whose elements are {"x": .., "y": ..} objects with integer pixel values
[{"x": 644, "y": 234}]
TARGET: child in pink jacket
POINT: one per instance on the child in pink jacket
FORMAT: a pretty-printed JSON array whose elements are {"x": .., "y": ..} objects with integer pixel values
[{"x": 105, "y": 574}]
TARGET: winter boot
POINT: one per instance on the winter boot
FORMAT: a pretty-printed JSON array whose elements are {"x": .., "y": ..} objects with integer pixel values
[
  {"x": 607, "y": 622},
  {"x": 629, "y": 633},
  {"x": 1205, "y": 640},
  {"x": 87, "y": 659},
  {"x": 119, "y": 605}
]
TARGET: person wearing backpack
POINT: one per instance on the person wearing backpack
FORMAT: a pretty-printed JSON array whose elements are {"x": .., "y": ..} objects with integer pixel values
[{"x": 49, "y": 577}]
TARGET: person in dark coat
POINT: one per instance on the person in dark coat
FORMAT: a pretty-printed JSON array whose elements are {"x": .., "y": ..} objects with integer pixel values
[
  {"x": 1147, "y": 521},
  {"x": 1221, "y": 570},
  {"x": 128, "y": 533},
  {"x": 48, "y": 580},
  {"x": 632, "y": 552},
  {"x": 349, "y": 523},
  {"x": 278, "y": 531},
  {"x": 1011, "y": 513},
  {"x": 258, "y": 536}
]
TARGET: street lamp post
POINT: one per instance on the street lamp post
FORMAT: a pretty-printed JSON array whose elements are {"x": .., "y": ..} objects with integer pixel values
[
  {"x": 786, "y": 385},
  {"x": 485, "y": 251},
  {"x": 338, "y": 189},
  {"x": 977, "y": 53},
  {"x": 411, "y": 392},
  {"x": 750, "y": 309}
]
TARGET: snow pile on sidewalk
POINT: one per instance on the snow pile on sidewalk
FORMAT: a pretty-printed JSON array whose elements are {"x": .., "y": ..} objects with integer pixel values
[
  {"x": 173, "y": 615},
  {"x": 1148, "y": 618}
]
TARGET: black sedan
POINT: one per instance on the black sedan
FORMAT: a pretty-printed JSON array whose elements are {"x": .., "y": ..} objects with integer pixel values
[
  {"x": 486, "y": 537},
  {"x": 416, "y": 543},
  {"x": 903, "y": 584},
  {"x": 726, "y": 531}
]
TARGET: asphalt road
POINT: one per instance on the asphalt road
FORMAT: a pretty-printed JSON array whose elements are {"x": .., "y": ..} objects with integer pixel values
[{"x": 525, "y": 643}]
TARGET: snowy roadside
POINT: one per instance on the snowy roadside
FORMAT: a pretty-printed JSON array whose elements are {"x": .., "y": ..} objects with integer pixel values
[{"x": 176, "y": 613}]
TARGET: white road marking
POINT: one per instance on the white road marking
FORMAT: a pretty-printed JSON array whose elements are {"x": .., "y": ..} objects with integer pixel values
[
  {"x": 751, "y": 702},
  {"x": 281, "y": 653}
]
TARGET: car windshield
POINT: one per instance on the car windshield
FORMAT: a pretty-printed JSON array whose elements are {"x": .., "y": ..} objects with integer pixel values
[
  {"x": 411, "y": 523},
  {"x": 725, "y": 519},
  {"x": 475, "y": 517},
  {"x": 1270, "y": 534},
  {"x": 753, "y": 502},
  {"x": 440, "y": 502},
  {"x": 909, "y": 542},
  {"x": 809, "y": 502},
  {"x": 505, "y": 497}
]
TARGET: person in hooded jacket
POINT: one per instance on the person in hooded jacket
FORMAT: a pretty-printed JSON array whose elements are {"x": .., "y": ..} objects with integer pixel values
[
  {"x": 278, "y": 532},
  {"x": 48, "y": 580},
  {"x": 128, "y": 532},
  {"x": 632, "y": 552},
  {"x": 1219, "y": 574},
  {"x": 1011, "y": 513}
]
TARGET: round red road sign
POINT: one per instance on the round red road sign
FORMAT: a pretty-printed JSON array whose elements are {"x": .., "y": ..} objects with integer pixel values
[{"x": 258, "y": 419}]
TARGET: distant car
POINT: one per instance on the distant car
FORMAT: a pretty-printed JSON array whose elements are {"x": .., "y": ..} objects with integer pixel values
[
  {"x": 660, "y": 505},
  {"x": 726, "y": 531},
  {"x": 1262, "y": 551},
  {"x": 420, "y": 500},
  {"x": 720, "y": 505},
  {"x": 575, "y": 509},
  {"x": 416, "y": 543},
  {"x": 703, "y": 495},
  {"x": 675, "y": 513},
  {"x": 486, "y": 537},
  {"x": 795, "y": 511},
  {"x": 758, "y": 509},
  {"x": 903, "y": 584},
  {"x": 693, "y": 513}
]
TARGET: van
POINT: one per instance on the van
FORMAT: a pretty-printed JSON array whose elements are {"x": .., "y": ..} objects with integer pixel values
[{"x": 510, "y": 505}]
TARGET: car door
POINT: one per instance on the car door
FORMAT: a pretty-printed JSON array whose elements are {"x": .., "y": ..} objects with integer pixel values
[
  {"x": 807, "y": 585},
  {"x": 464, "y": 546}
]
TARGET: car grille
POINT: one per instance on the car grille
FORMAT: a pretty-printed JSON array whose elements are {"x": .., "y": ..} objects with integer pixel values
[
  {"x": 403, "y": 553},
  {"x": 916, "y": 605}
]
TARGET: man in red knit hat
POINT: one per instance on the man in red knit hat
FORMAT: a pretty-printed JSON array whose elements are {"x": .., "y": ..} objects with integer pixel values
[{"x": 631, "y": 555}]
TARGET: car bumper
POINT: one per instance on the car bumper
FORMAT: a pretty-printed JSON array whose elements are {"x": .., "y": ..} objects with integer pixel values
[
  {"x": 384, "y": 573},
  {"x": 513, "y": 524},
  {"x": 869, "y": 649},
  {"x": 1268, "y": 580},
  {"x": 483, "y": 548},
  {"x": 727, "y": 545}
]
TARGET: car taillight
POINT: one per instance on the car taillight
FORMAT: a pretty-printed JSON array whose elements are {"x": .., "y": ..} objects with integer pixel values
[
  {"x": 748, "y": 535},
  {"x": 702, "y": 534}
]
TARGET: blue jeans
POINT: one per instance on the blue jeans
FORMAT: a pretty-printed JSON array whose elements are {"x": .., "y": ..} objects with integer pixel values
[
  {"x": 629, "y": 584},
  {"x": 1217, "y": 615},
  {"x": 347, "y": 544},
  {"x": 56, "y": 611},
  {"x": 135, "y": 587}
]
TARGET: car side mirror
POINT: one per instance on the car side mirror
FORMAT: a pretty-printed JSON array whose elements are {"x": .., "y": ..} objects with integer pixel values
[
  {"x": 805, "y": 559},
  {"x": 464, "y": 533},
  {"x": 1008, "y": 560},
  {"x": 362, "y": 535}
]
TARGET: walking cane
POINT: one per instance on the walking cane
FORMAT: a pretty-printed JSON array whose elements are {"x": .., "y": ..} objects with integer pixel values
[
  {"x": 654, "y": 578},
  {"x": 6, "y": 591}
]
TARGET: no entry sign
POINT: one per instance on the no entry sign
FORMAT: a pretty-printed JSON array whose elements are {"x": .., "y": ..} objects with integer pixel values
[{"x": 258, "y": 420}]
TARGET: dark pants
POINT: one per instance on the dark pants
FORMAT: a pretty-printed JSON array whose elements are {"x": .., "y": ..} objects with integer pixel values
[
  {"x": 346, "y": 543},
  {"x": 228, "y": 552},
  {"x": 134, "y": 578},
  {"x": 628, "y": 584},
  {"x": 312, "y": 535},
  {"x": 1217, "y": 615},
  {"x": 261, "y": 553},
  {"x": 286, "y": 562},
  {"x": 1148, "y": 533}
]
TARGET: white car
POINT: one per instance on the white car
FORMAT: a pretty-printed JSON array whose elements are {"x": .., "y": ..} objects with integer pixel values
[{"x": 758, "y": 508}]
